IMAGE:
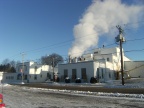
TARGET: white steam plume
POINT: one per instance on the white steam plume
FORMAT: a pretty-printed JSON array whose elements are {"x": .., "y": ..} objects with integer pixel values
[{"x": 98, "y": 19}]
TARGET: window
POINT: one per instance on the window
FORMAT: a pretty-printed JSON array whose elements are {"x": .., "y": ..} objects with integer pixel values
[
  {"x": 18, "y": 76},
  {"x": 108, "y": 59},
  {"x": 25, "y": 77},
  {"x": 48, "y": 75},
  {"x": 35, "y": 77},
  {"x": 83, "y": 73},
  {"x": 102, "y": 73},
  {"x": 96, "y": 52},
  {"x": 12, "y": 77},
  {"x": 109, "y": 75},
  {"x": 74, "y": 74},
  {"x": 98, "y": 73},
  {"x": 65, "y": 73}
]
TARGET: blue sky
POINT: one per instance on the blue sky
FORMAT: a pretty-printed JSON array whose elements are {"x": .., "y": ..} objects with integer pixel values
[{"x": 42, "y": 27}]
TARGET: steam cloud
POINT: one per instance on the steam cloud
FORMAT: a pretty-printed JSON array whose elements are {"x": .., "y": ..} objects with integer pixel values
[{"x": 98, "y": 19}]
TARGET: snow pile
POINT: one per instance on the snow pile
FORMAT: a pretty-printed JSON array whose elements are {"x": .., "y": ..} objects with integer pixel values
[
  {"x": 78, "y": 84},
  {"x": 86, "y": 93},
  {"x": 136, "y": 85},
  {"x": 130, "y": 83},
  {"x": 5, "y": 85}
]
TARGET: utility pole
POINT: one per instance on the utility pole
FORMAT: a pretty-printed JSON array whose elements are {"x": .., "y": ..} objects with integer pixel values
[
  {"x": 22, "y": 71},
  {"x": 53, "y": 68},
  {"x": 121, "y": 39}
]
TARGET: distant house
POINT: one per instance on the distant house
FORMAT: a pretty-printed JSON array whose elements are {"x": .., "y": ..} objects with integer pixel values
[
  {"x": 103, "y": 64},
  {"x": 30, "y": 72}
]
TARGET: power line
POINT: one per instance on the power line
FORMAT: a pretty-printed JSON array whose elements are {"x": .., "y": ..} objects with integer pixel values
[
  {"x": 134, "y": 23},
  {"x": 73, "y": 39},
  {"x": 134, "y": 50},
  {"x": 56, "y": 44},
  {"x": 100, "y": 47},
  {"x": 114, "y": 44},
  {"x": 93, "y": 48},
  {"x": 136, "y": 39}
]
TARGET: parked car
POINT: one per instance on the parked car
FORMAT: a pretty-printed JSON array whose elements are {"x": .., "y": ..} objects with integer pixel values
[{"x": 2, "y": 105}]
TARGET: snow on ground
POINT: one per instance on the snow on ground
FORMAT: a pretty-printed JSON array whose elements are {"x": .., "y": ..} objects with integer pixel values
[
  {"x": 129, "y": 83},
  {"x": 88, "y": 93},
  {"x": 28, "y": 97}
]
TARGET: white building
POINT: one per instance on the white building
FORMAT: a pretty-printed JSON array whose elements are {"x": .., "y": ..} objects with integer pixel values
[
  {"x": 32, "y": 72},
  {"x": 102, "y": 64},
  {"x": 85, "y": 70},
  {"x": 135, "y": 69}
]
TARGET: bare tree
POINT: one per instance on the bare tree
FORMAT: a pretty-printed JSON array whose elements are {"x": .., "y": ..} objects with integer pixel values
[
  {"x": 52, "y": 59},
  {"x": 8, "y": 66},
  {"x": 5, "y": 61}
]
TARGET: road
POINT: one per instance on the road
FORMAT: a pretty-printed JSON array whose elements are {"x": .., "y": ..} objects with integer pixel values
[{"x": 27, "y": 97}]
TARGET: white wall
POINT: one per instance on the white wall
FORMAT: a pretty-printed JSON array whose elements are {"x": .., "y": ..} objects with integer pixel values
[
  {"x": 102, "y": 51},
  {"x": 26, "y": 66},
  {"x": 38, "y": 73},
  {"x": 99, "y": 70},
  {"x": 9, "y": 77},
  {"x": 78, "y": 66},
  {"x": 1, "y": 75},
  {"x": 110, "y": 72}
]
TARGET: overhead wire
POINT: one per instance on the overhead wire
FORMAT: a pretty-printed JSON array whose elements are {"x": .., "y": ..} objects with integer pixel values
[
  {"x": 52, "y": 45},
  {"x": 75, "y": 38},
  {"x": 98, "y": 47}
]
